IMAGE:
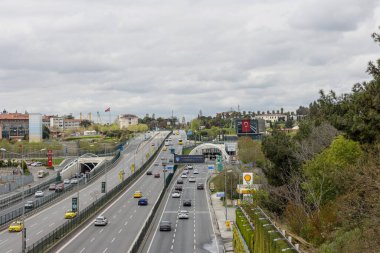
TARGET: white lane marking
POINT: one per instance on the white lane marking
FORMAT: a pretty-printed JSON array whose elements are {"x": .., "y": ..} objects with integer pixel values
[
  {"x": 130, "y": 217},
  {"x": 113, "y": 239},
  {"x": 9, "y": 251},
  {"x": 101, "y": 230},
  {"x": 105, "y": 210},
  {"x": 105, "y": 250},
  {"x": 33, "y": 225},
  {"x": 93, "y": 239},
  {"x": 82, "y": 250},
  {"x": 125, "y": 224},
  {"x": 3, "y": 241},
  {"x": 39, "y": 232},
  {"x": 120, "y": 230},
  {"x": 52, "y": 224}
]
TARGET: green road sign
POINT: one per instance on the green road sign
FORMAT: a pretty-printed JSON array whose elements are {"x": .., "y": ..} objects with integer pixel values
[
  {"x": 74, "y": 204},
  {"x": 103, "y": 187}
]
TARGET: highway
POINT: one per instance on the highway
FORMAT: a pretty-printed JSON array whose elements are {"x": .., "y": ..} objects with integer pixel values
[
  {"x": 195, "y": 234},
  {"x": 125, "y": 217},
  {"x": 52, "y": 216}
]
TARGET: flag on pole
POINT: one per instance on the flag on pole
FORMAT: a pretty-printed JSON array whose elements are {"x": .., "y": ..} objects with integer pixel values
[{"x": 108, "y": 109}]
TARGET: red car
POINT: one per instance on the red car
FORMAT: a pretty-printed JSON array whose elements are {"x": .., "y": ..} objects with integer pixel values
[{"x": 156, "y": 175}]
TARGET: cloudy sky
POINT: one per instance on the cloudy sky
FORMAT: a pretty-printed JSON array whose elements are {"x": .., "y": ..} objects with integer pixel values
[{"x": 148, "y": 56}]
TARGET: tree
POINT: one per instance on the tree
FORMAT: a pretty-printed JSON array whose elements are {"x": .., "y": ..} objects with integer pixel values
[
  {"x": 45, "y": 132},
  {"x": 279, "y": 149},
  {"x": 289, "y": 123},
  {"x": 85, "y": 123},
  {"x": 250, "y": 151}
]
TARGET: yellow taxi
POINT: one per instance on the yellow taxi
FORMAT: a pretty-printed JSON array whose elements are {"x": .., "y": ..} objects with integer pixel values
[
  {"x": 16, "y": 226},
  {"x": 70, "y": 214},
  {"x": 164, "y": 148},
  {"x": 137, "y": 194},
  {"x": 180, "y": 142}
]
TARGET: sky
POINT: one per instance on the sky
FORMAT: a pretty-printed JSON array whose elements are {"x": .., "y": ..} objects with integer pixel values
[{"x": 148, "y": 56}]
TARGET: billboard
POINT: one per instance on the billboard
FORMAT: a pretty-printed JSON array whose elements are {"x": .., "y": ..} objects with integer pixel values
[
  {"x": 247, "y": 126},
  {"x": 189, "y": 158}
]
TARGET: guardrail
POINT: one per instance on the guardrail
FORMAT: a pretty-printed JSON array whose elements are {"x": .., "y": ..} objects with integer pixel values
[{"x": 48, "y": 241}]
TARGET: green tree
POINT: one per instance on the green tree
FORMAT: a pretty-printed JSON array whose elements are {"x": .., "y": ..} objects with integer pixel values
[{"x": 250, "y": 151}]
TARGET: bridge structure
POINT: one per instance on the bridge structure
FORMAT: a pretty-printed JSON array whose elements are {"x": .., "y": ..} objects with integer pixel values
[{"x": 211, "y": 150}]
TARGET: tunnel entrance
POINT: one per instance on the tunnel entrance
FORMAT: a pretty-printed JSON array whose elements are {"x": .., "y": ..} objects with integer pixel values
[{"x": 87, "y": 167}]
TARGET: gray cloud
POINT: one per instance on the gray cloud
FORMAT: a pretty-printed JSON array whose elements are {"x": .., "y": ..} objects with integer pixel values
[{"x": 154, "y": 57}]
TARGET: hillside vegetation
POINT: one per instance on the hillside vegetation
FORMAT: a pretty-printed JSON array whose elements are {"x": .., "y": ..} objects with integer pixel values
[{"x": 324, "y": 182}]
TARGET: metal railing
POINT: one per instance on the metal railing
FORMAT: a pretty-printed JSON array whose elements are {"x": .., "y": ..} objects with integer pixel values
[{"x": 48, "y": 241}]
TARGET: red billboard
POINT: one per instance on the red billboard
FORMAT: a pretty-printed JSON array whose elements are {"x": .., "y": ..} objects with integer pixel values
[{"x": 245, "y": 126}]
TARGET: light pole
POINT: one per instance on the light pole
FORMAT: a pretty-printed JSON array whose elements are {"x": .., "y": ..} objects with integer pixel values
[{"x": 225, "y": 189}]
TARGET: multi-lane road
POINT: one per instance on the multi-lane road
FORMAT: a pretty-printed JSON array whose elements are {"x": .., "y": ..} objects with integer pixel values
[
  {"x": 51, "y": 217},
  {"x": 125, "y": 217},
  {"x": 195, "y": 234}
]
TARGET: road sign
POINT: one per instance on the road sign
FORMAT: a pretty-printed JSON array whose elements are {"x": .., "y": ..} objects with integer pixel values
[
  {"x": 189, "y": 158},
  {"x": 103, "y": 187},
  {"x": 247, "y": 178},
  {"x": 220, "y": 194},
  {"x": 189, "y": 133},
  {"x": 169, "y": 167},
  {"x": 211, "y": 167},
  {"x": 74, "y": 204}
]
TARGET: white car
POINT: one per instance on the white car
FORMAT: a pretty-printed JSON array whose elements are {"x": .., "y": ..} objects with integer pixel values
[
  {"x": 38, "y": 194},
  {"x": 36, "y": 164},
  {"x": 183, "y": 214},
  {"x": 192, "y": 179},
  {"x": 74, "y": 181},
  {"x": 189, "y": 166},
  {"x": 100, "y": 221},
  {"x": 186, "y": 171},
  {"x": 184, "y": 175},
  {"x": 176, "y": 195},
  {"x": 196, "y": 171},
  {"x": 66, "y": 181}
]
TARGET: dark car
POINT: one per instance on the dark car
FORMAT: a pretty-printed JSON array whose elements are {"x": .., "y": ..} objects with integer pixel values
[
  {"x": 149, "y": 172},
  {"x": 187, "y": 202},
  {"x": 179, "y": 181},
  {"x": 157, "y": 175},
  {"x": 59, "y": 187},
  {"x": 143, "y": 202},
  {"x": 165, "y": 226},
  {"x": 29, "y": 204},
  {"x": 178, "y": 188},
  {"x": 200, "y": 186},
  {"x": 52, "y": 187}
]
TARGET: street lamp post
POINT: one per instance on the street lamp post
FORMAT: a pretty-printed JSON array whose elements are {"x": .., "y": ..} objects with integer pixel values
[{"x": 225, "y": 190}]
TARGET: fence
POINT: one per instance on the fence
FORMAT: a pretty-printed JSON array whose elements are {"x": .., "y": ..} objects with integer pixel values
[
  {"x": 267, "y": 236},
  {"x": 57, "y": 234},
  {"x": 13, "y": 182}
]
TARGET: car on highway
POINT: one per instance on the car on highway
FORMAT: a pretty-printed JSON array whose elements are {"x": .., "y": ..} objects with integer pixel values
[
  {"x": 142, "y": 202},
  {"x": 100, "y": 221},
  {"x": 70, "y": 214},
  {"x": 171, "y": 160},
  {"x": 176, "y": 194},
  {"x": 178, "y": 188},
  {"x": 187, "y": 202},
  {"x": 60, "y": 187},
  {"x": 196, "y": 171},
  {"x": 52, "y": 187},
  {"x": 189, "y": 167},
  {"x": 137, "y": 194},
  {"x": 183, "y": 214},
  {"x": 180, "y": 142},
  {"x": 192, "y": 179},
  {"x": 66, "y": 181},
  {"x": 16, "y": 226},
  {"x": 39, "y": 194},
  {"x": 179, "y": 181},
  {"x": 29, "y": 204},
  {"x": 74, "y": 181},
  {"x": 186, "y": 171},
  {"x": 184, "y": 175},
  {"x": 200, "y": 186},
  {"x": 165, "y": 225},
  {"x": 149, "y": 172},
  {"x": 157, "y": 175}
]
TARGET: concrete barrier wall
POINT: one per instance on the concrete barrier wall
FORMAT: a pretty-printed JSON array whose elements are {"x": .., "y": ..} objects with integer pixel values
[{"x": 13, "y": 182}]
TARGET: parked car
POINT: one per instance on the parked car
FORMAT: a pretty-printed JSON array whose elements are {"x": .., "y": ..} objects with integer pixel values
[
  {"x": 39, "y": 194},
  {"x": 187, "y": 202},
  {"x": 157, "y": 175},
  {"x": 200, "y": 186},
  {"x": 59, "y": 187},
  {"x": 36, "y": 164},
  {"x": 66, "y": 181},
  {"x": 100, "y": 221},
  {"x": 142, "y": 202},
  {"x": 52, "y": 187},
  {"x": 74, "y": 181},
  {"x": 149, "y": 172},
  {"x": 165, "y": 226},
  {"x": 183, "y": 214},
  {"x": 29, "y": 204}
]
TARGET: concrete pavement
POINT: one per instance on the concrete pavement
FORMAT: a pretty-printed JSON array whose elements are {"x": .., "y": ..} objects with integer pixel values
[{"x": 220, "y": 215}]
